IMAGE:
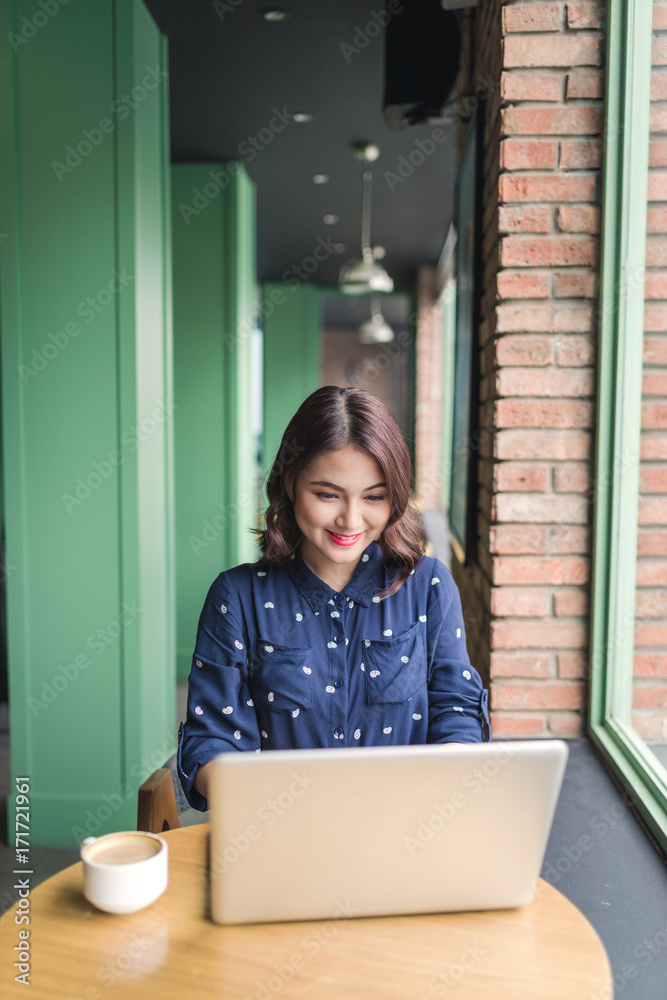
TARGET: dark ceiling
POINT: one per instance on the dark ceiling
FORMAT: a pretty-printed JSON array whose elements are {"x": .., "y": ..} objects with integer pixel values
[{"x": 231, "y": 72}]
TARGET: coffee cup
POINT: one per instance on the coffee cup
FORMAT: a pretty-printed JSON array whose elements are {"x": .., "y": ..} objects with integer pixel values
[{"x": 124, "y": 872}]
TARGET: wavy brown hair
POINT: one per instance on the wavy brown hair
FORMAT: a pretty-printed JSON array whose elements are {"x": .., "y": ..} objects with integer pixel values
[{"x": 332, "y": 418}]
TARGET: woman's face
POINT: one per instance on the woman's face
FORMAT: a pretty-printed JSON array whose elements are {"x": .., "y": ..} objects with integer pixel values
[{"x": 341, "y": 505}]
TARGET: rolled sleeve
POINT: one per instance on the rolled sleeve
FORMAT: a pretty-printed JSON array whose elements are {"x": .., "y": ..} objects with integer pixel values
[
  {"x": 220, "y": 711},
  {"x": 458, "y": 702}
]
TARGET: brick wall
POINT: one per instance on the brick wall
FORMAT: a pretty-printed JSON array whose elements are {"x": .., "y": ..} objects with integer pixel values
[
  {"x": 540, "y": 216},
  {"x": 649, "y": 715},
  {"x": 428, "y": 401}
]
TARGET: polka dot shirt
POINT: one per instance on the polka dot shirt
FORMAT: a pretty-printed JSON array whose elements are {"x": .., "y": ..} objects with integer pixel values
[{"x": 283, "y": 661}]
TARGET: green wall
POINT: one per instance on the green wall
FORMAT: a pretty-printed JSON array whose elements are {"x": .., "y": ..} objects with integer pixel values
[
  {"x": 213, "y": 226},
  {"x": 86, "y": 401},
  {"x": 291, "y": 326}
]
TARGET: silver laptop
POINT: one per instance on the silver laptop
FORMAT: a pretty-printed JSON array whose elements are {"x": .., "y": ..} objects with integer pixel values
[{"x": 368, "y": 831}]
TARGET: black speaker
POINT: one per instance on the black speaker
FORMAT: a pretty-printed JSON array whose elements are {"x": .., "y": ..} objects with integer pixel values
[{"x": 421, "y": 59}]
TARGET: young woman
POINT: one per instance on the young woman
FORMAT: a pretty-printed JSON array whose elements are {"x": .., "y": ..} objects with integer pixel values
[{"x": 343, "y": 633}]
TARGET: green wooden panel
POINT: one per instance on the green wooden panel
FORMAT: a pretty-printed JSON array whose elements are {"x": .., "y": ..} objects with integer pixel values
[
  {"x": 214, "y": 273},
  {"x": 73, "y": 376},
  {"x": 291, "y": 326},
  {"x": 619, "y": 410}
]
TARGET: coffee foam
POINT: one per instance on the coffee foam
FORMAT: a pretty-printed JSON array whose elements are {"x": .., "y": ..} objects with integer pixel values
[{"x": 123, "y": 849}]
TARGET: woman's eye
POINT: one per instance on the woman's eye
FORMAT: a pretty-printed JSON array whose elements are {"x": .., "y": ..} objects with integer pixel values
[
  {"x": 375, "y": 497},
  {"x": 326, "y": 496}
]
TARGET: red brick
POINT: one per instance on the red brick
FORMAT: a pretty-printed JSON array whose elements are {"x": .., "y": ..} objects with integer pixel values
[
  {"x": 570, "y": 539},
  {"x": 651, "y": 573},
  {"x": 651, "y": 603},
  {"x": 547, "y": 251},
  {"x": 566, "y": 570},
  {"x": 656, "y": 189},
  {"x": 650, "y": 727},
  {"x": 580, "y": 119},
  {"x": 524, "y": 219},
  {"x": 655, "y": 317},
  {"x": 653, "y": 447},
  {"x": 524, "y": 539},
  {"x": 585, "y": 83},
  {"x": 657, "y": 119},
  {"x": 524, "y": 350},
  {"x": 520, "y": 602},
  {"x": 505, "y": 726},
  {"x": 654, "y": 416},
  {"x": 659, "y": 16},
  {"x": 523, "y": 284},
  {"x": 656, "y": 251},
  {"x": 656, "y": 220},
  {"x": 654, "y": 383},
  {"x": 543, "y": 509},
  {"x": 570, "y": 602},
  {"x": 658, "y": 85},
  {"x": 538, "y": 635},
  {"x": 652, "y": 510},
  {"x": 538, "y": 695},
  {"x": 565, "y": 723},
  {"x": 543, "y": 445},
  {"x": 653, "y": 480},
  {"x": 542, "y": 413},
  {"x": 659, "y": 51},
  {"x": 550, "y": 319},
  {"x": 650, "y": 665},
  {"x": 517, "y": 154},
  {"x": 514, "y": 477},
  {"x": 572, "y": 665},
  {"x": 578, "y": 219},
  {"x": 572, "y": 477},
  {"x": 649, "y": 696},
  {"x": 547, "y": 187},
  {"x": 555, "y": 50},
  {"x": 504, "y": 665},
  {"x": 574, "y": 352},
  {"x": 531, "y": 85},
  {"x": 555, "y": 382},
  {"x": 580, "y": 155},
  {"x": 574, "y": 285},
  {"x": 650, "y": 635},
  {"x": 531, "y": 17},
  {"x": 655, "y": 285},
  {"x": 585, "y": 14},
  {"x": 657, "y": 154},
  {"x": 652, "y": 543},
  {"x": 655, "y": 350}
]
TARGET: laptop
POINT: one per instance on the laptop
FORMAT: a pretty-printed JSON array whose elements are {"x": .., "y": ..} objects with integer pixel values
[{"x": 371, "y": 831}]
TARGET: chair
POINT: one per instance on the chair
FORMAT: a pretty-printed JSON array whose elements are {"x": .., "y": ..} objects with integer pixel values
[{"x": 161, "y": 800}]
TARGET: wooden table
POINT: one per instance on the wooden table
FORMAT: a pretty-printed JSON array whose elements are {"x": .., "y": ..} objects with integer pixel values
[{"x": 172, "y": 949}]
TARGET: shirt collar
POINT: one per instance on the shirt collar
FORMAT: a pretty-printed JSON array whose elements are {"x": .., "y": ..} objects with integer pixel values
[{"x": 361, "y": 587}]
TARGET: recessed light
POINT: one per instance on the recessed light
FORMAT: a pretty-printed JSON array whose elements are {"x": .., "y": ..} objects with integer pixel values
[
  {"x": 275, "y": 14},
  {"x": 330, "y": 220},
  {"x": 320, "y": 178},
  {"x": 303, "y": 116}
]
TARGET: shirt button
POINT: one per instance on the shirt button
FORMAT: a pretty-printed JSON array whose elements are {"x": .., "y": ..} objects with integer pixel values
[
  {"x": 338, "y": 733},
  {"x": 338, "y": 683},
  {"x": 338, "y": 638},
  {"x": 338, "y": 598}
]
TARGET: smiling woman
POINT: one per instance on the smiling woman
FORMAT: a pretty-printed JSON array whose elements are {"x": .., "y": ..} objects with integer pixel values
[{"x": 343, "y": 633}]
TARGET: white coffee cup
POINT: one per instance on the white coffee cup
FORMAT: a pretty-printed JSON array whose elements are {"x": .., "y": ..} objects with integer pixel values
[{"x": 124, "y": 872}]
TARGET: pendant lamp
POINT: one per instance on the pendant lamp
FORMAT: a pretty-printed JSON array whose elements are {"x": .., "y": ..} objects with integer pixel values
[
  {"x": 364, "y": 274},
  {"x": 375, "y": 330}
]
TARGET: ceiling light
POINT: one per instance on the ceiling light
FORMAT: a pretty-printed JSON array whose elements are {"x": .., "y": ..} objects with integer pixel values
[
  {"x": 375, "y": 330},
  {"x": 303, "y": 116},
  {"x": 275, "y": 14},
  {"x": 364, "y": 274},
  {"x": 320, "y": 178},
  {"x": 330, "y": 220}
]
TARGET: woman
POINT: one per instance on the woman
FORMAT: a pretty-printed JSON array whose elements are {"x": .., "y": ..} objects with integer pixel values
[{"x": 343, "y": 633}]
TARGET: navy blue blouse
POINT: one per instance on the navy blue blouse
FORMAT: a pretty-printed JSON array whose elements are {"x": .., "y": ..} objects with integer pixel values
[{"x": 283, "y": 661}]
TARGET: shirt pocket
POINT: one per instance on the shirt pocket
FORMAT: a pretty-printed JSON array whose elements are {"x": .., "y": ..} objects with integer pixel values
[
  {"x": 394, "y": 668},
  {"x": 281, "y": 677}
]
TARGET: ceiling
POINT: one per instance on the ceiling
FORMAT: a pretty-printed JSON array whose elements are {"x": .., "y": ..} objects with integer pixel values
[{"x": 235, "y": 76}]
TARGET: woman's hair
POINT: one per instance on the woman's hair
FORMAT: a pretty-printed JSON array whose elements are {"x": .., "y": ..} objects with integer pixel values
[{"x": 332, "y": 418}]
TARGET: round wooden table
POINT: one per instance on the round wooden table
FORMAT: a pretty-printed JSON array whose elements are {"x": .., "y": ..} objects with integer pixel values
[{"x": 172, "y": 949}]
